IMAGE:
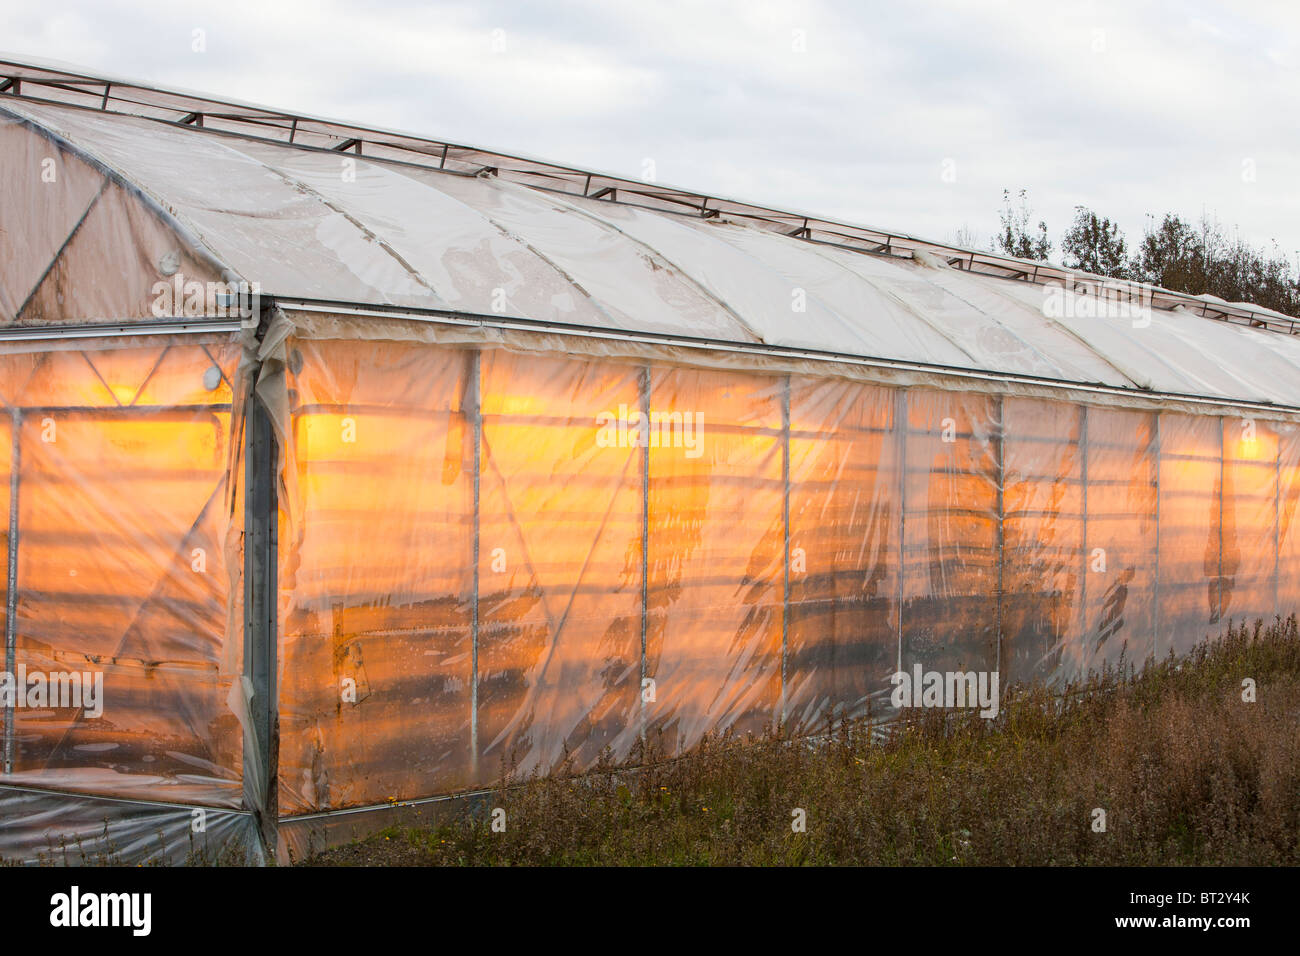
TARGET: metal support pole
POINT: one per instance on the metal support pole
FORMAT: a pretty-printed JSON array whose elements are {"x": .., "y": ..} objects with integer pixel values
[
  {"x": 785, "y": 521},
  {"x": 474, "y": 411},
  {"x": 645, "y": 543},
  {"x": 1083, "y": 516},
  {"x": 900, "y": 433},
  {"x": 1002, "y": 532},
  {"x": 11, "y": 587},
  {"x": 1156, "y": 455},
  {"x": 1277, "y": 522},
  {"x": 1223, "y": 454},
  {"x": 260, "y": 626}
]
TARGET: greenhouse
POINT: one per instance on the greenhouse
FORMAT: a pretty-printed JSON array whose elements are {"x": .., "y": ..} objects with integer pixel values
[{"x": 349, "y": 469}]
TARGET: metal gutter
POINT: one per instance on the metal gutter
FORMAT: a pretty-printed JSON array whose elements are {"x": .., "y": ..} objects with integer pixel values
[{"x": 513, "y": 324}]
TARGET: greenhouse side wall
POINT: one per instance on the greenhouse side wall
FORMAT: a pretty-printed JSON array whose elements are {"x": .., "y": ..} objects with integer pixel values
[{"x": 485, "y": 573}]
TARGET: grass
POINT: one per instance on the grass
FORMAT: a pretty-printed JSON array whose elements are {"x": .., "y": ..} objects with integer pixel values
[{"x": 1186, "y": 771}]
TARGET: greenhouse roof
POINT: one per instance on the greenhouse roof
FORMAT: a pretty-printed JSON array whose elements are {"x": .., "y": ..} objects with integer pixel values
[{"x": 328, "y": 215}]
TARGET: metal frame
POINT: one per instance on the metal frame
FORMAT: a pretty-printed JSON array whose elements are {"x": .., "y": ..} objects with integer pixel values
[
  {"x": 49, "y": 84},
  {"x": 785, "y": 522},
  {"x": 261, "y": 629},
  {"x": 11, "y": 593},
  {"x": 475, "y": 412},
  {"x": 1157, "y": 455},
  {"x": 1001, "y": 444},
  {"x": 113, "y": 328},
  {"x": 645, "y": 381}
]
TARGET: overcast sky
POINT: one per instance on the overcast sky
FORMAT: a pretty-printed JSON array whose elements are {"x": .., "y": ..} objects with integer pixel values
[{"x": 910, "y": 116}]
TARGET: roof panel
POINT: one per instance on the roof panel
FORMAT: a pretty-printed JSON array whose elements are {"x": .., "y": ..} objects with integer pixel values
[
  {"x": 266, "y": 227},
  {"x": 311, "y": 223}
]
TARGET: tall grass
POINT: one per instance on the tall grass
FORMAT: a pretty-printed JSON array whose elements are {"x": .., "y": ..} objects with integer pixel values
[{"x": 1185, "y": 770}]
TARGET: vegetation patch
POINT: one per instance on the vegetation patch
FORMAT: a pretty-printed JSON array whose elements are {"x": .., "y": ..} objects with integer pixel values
[{"x": 1194, "y": 760}]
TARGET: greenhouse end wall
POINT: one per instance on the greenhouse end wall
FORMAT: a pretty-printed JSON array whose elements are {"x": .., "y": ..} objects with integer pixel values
[
  {"x": 120, "y": 650},
  {"x": 484, "y": 572}
]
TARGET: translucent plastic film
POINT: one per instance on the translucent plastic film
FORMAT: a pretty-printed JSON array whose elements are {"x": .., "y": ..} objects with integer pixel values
[
  {"x": 508, "y": 560},
  {"x": 1288, "y": 517},
  {"x": 77, "y": 243},
  {"x": 377, "y": 583},
  {"x": 306, "y": 223},
  {"x": 950, "y": 532},
  {"x": 1249, "y": 568},
  {"x": 74, "y": 830},
  {"x": 1118, "y": 569},
  {"x": 844, "y": 570},
  {"x": 716, "y": 555},
  {"x": 1044, "y": 561},
  {"x": 1190, "y": 516},
  {"x": 116, "y": 504},
  {"x": 559, "y": 569}
]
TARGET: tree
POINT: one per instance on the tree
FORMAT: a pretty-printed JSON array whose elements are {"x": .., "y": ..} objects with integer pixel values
[
  {"x": 966, "y": 238},
  {"x": 1172, "y": 256},
  {"x": 1015, "y": 239},
  {"x": 1203, "y": 259},
  {"x": 1199, "y": 259},
  {"x": 1095, "y": 244}
]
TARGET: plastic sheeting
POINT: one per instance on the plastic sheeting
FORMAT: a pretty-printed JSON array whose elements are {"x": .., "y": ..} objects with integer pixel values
[
  {"x": 52, "y": 828},
  {"x": 116, "y": 456},
  {"x": 484, "y": 570},
  {"x": 511, "y": 578},
  {"x": 77, "y": 242},
  {"x": 310, "y": 224}
]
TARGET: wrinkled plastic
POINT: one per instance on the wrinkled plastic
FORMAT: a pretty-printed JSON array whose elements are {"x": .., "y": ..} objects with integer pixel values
[
  {"x": 342, "y": 228},
  {"x": 42, "y": 827},
  {"x": 488, "y": 565},
  {"x": 79, "y": 243},
  {"x": 777, "y": 566},
  {"x": 119, "y": 452}
]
